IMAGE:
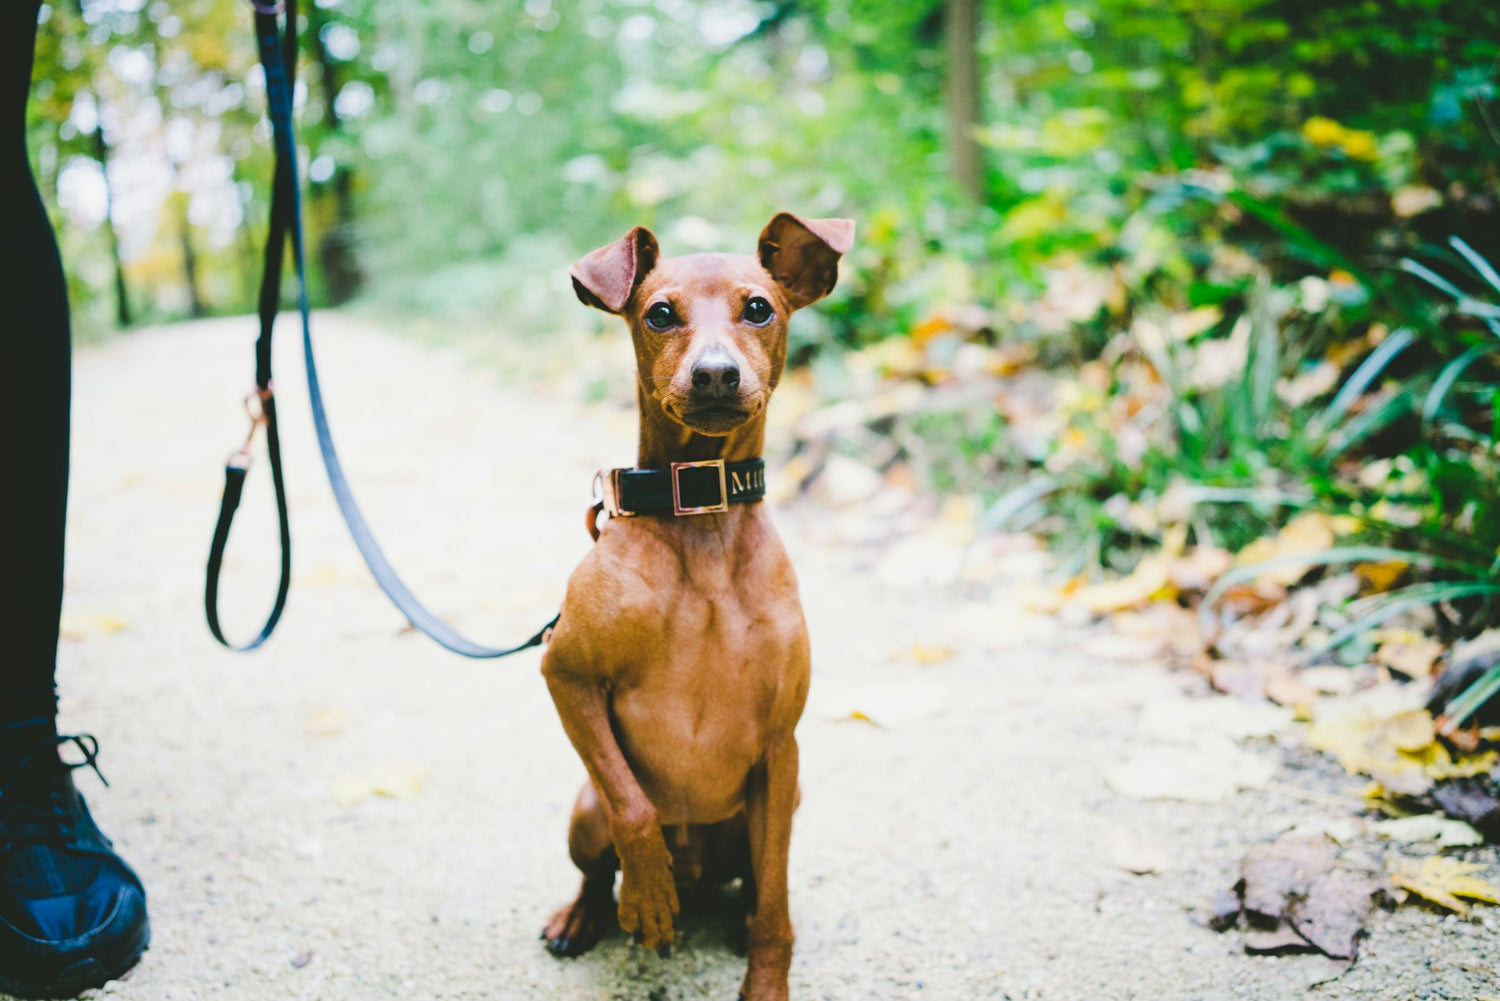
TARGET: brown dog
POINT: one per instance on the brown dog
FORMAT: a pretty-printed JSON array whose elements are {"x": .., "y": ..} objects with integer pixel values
[{"x": 680, "y": 664}]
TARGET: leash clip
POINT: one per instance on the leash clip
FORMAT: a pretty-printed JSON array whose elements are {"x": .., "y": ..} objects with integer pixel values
[
  {"x": 255, "y": 408},
  {"x": 270, "y": 9}
]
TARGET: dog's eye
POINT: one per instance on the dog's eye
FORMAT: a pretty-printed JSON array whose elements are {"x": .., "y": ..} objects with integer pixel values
[
  {"x": 661, "y": 316},
  {"x": 757, "y": 312}
]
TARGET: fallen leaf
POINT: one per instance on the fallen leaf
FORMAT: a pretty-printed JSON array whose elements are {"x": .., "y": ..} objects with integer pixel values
[
  {"x": 921, "y": 653},
  {"x": 1470, "y": 800},
  {"x": 1278, "y": 941},
  {"x": 1287, "y": 689},
  {"x": 390, "y": 780},
  {"x": 1444, "y": 880},
  {"x": 322, "y": 576},
  {"x": 1206, "y": 772},
  {"x": 1378, "y": 577},
  {"x": 82, "y": 625},
  {"x": 326, "y": 722},
  {"x": 1136, "y": 855},
  {"x": 1272, "y": 873},
  {"x": 1413, "y": 658},
  {"x": 1429, "y": 828},
  {"x": 858, "y": 717},
  {"x": 1304, "y": 535},
  {"x": 1328, "y": 680},
  {"x": 1224, "y": 911},
  {"x": 1364, "y": 742},
  {"x": 1332, "y": 915},
  {"x": 1198, "y": 568},
  {"x": 1147, "y": 581},
  {"x": 1327, "y": 970}
]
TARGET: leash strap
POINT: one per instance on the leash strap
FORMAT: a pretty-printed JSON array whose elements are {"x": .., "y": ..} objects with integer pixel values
[{"x": 275, "y": 29}]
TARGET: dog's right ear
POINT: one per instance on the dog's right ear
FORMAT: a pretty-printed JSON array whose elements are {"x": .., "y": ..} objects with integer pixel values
[{"x": 606, "y": 278}]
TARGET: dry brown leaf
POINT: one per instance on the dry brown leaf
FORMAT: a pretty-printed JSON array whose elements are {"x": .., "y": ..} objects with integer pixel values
[
  {"x": 1272, "y": 873},
  {"x": 1276, "y": 941},
  {"x": 1198, "y": 568},
  {"x": 1414, "y": 658},
  {"x": 1237, "y": 678},
  {"x": 1286, "y": 688},
  {"x": 1245, "y": 600},
  {"x": 1332, "y": 915},
  {"x": 1444, "y": 880}
]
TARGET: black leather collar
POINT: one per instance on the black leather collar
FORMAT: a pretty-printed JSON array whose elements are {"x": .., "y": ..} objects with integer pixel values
[{"x": 686, "y": 488}]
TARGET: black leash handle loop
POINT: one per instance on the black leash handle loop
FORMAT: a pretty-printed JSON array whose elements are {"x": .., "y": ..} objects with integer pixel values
[{"x": 276, "y": 35}]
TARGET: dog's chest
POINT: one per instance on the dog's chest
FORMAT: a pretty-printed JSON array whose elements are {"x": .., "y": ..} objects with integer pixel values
[{"x": 722, "y": 672}]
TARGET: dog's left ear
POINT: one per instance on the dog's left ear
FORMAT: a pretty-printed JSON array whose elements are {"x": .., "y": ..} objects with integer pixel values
[
  {"x": 803, "y": 254},
  {"x": 607, "y": 278}
]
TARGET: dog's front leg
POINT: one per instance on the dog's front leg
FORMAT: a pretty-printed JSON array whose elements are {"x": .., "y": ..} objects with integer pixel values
[
  {"x": 770, "y": 799},
  {"x": 648, "y": 892}
]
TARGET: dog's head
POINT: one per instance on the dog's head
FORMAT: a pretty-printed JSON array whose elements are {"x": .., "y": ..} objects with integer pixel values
[{"x": 710, "y": 329}]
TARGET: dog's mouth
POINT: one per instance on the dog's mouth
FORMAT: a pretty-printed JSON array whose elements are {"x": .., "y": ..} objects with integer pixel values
[{"x": 716, "y": 419}]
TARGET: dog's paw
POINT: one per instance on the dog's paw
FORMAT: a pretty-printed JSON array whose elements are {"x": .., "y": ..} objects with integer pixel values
[
  {"x": 578, "y": 927},
  {"x": 648, "y": 893}
]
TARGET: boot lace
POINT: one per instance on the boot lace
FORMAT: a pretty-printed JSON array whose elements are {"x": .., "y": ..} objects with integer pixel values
[{"x": 35, "y": 808}]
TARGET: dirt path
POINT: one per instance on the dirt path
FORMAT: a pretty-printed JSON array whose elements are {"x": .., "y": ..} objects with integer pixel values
[{"x": 962, "y": 843}]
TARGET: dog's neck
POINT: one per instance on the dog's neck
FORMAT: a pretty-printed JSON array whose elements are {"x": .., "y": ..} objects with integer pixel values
[{"x": 663, "y": 441}]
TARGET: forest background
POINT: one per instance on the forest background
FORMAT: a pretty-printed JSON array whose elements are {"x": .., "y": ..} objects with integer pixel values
[{"x": 1141, "y": 278}]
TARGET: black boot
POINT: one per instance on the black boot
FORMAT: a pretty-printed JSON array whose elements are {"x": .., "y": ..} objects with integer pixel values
[{"x": 72, "y": 913}]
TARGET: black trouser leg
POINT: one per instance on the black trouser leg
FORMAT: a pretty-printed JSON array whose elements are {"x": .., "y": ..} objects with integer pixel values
[{"x": 34, "y": 392}]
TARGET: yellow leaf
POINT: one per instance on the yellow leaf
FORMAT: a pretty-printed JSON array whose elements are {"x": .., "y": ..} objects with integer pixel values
[
  {"x": 1378, "y": 577},
  {"x": 82, "y": 625},
  {"x": 860, "y": 717},
  {"x": 391, "y": 780},
  {"x": 1149, "y": 580},
  {"x": 1465, "y": 766},
  {"x": 1304, "y": 535},
  {"x": 1402, "y": 744},
  {"x": 931, "y": 327},
  {"x": 1444, "y": 880},
  {"x": 923, "y": 654}
]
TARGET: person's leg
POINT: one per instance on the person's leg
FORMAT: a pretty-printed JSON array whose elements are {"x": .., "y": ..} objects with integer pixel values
[
  {"x": 72, "y": 913},
  {"x": 34, "y": 385}
]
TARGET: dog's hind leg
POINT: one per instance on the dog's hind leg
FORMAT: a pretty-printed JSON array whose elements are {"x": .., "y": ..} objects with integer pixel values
[
  {"x": 727, "y": 859},
  {"x": 576, "y": 928}
]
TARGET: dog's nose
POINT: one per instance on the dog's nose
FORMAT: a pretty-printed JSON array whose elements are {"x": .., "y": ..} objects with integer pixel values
[{"x": 715, "y": 373}]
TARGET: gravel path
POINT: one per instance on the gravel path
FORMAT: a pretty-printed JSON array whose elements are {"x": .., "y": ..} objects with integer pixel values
[{"x": 957, "y": 838}]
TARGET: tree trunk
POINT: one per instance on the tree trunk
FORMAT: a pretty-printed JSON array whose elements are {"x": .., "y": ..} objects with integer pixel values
[
  {"x": 342, "y": 275},
  {"x": 122, "y": 298},
  {"x": 190, "y": 267},
  {"x": 963, "y": 95}
]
